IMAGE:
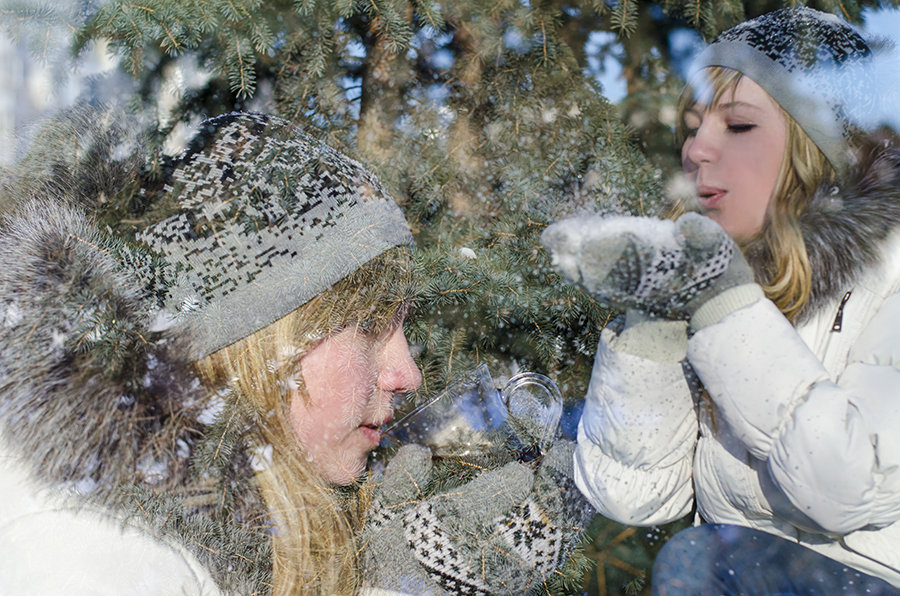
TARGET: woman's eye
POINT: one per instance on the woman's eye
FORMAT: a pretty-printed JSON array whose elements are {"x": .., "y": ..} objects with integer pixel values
[
  {"x": 691, "y": 120},
  {"x": 741, "y": 127}
]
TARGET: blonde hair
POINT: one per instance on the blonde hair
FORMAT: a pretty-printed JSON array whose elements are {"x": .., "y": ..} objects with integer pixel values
[
  {"x": 782, "y": 263},
  {"x": 313, "y": 538}
]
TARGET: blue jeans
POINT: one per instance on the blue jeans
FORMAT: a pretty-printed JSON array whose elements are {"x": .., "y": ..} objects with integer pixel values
[{"x": 712, "y": 560}]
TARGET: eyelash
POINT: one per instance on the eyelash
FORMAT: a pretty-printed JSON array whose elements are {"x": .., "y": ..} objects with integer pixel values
[{"x": 739, "y": 128}]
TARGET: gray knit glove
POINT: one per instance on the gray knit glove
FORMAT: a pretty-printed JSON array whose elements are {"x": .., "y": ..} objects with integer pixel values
[
  {"x": 666, "y": 268},
  {"x": 504, "y": 532}
]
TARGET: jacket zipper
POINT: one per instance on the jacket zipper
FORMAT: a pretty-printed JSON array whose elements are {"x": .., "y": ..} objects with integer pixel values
[{"x": 839, "y": 319}]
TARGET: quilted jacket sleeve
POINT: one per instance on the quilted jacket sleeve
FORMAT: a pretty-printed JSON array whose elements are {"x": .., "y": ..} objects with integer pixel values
[
  {"x": 830, "y": 441},
  {"x": 639, "y": 427}
]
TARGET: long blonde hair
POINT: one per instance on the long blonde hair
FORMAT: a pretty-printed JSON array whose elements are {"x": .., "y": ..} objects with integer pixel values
[
  {"x": 313, "y": 538},
  {"x": 778, "y": 252}
]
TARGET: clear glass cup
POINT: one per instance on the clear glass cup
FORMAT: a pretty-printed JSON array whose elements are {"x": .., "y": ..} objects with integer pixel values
[{"x": 465, "y": 418}]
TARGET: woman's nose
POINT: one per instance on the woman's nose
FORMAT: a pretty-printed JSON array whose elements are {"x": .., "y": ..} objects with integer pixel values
[
  {"x": 698, "y": 148},
  {"x": 399, "y": 373}
]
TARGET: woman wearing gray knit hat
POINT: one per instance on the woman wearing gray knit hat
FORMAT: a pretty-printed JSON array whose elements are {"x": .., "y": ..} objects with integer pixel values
[
  {"x": 196, "y": 360},
  {"x": 754, "y": 377}
]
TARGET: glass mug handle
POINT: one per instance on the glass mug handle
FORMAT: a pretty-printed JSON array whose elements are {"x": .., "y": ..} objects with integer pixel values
[{"x": 534, "y": 408}]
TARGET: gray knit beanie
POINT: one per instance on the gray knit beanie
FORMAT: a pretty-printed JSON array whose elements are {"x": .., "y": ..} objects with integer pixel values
[
  {"x": 812, "y": 63},
  {"x": 255, "y": 219}
]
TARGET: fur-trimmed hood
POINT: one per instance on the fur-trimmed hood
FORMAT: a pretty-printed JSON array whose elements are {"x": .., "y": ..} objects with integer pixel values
[
  {"x": 845, "y": 227},
  {"x": 89, "y": 395},
  {"x": 112, "y": 266},
  {"x": 101, "y": 408}
]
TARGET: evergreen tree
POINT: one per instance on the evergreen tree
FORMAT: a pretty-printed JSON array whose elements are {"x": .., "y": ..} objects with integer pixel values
[{"x": 484, "y": 119}]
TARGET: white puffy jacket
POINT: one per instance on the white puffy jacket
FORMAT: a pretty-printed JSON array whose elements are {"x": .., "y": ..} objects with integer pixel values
[
  {"x": 49, "y": 547},
  {"x": 802, "y": 436}
]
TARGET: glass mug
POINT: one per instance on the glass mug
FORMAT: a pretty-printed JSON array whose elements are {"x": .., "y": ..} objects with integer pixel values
[{"x": 464, "y": 419}]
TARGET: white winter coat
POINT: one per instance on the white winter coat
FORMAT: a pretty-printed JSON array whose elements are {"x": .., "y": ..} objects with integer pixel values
[
  {"x": 50, "y": 547},
  {"x": 802, "y": 436}
]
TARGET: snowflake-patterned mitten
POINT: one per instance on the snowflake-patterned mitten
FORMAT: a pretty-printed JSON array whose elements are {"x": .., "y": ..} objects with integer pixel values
[
  {"x": 503, "y": 532},
  {"x": 666, "y": 268}
]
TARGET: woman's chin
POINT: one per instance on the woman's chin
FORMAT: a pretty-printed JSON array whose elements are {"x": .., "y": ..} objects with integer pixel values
[{"x": 343, "y": 472}]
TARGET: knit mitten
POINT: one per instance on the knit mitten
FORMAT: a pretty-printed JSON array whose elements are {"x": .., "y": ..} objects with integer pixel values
[
  {"x": 503, "y": 532},
  {"x": 666, "y": 268}
]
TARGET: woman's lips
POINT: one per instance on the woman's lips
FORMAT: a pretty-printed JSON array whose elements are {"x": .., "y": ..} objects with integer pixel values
[
  {"x": 373, "y": 431},
  {"x": 372, "y": 434},
  {"x": 709, "y": 196}
]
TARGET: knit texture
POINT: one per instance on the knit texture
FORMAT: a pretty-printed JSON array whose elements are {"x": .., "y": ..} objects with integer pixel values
[
  {"x": 255, "y": 219},
  {"x": 812, "y": 63},
  {"x": 504, "y": 532},
  {"x": 665, "y": 268}
]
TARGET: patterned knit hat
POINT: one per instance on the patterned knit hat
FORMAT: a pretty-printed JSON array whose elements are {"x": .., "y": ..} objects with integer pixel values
[
  {"x": 255, "y": 219},
  {"x": 812, "y": 63}
]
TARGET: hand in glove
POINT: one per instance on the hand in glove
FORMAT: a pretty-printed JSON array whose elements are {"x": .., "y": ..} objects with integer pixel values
[
  {"x": 666, "y": 268},
  {"x": 504, "y": 532}
]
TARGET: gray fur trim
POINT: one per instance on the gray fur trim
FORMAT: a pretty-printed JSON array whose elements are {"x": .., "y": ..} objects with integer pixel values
[
  {"x": 86, "y": 393},
  {"x": 845, "y": 228},
  {"x": 107, "y": 412}
]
